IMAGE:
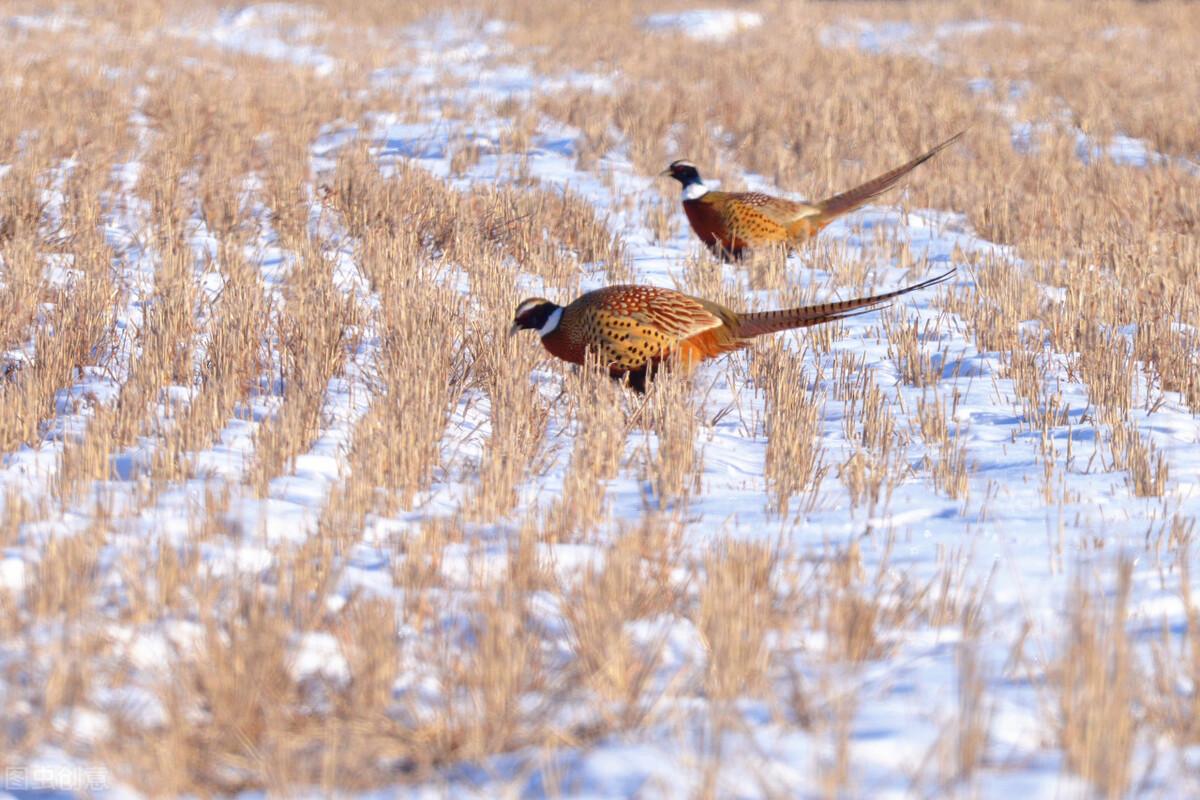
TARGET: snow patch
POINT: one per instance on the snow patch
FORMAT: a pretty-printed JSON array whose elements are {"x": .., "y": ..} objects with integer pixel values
[
  {"x": 318, "y": 654},
  {"x": 12, "y": 572},
  {"x": 901, "y": 36},
  {"x": 276, "y": 31},
  {"x": 49, "y": 22},
  {"x": 705, "y": 25}
]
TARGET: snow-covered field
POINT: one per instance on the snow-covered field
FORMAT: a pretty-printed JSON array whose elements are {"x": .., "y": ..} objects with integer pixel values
[{"x": 969, "y": 563}]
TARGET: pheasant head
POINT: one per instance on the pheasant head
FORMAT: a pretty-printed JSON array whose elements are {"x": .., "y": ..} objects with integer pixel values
[
  {"x": 689, "y": 178},
  {"x": 537, "y": 314}
]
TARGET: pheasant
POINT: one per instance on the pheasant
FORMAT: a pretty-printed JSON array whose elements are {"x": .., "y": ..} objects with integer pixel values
[
  {"x": 730, "y": 223},
  {"x": 632, "y": 330}
]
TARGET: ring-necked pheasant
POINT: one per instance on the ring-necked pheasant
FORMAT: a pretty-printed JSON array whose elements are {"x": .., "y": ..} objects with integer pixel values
[
  {"x": 632, "y": 329},
  {"x": 730, "y": 223}
]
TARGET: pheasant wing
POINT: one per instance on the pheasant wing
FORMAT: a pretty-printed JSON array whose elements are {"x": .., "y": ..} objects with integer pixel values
[
  {"x": 636, "y": 324},
  {"x": 779, "y": 210}
]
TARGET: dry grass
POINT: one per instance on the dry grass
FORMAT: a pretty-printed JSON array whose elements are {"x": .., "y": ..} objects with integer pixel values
[
  {"x": 734, "y": 615},
  {"x": 793, "y": 461},
  {"x": 314, "y": 333},
  {"x": 238, "y": 289},
  {"x": 1098, "y": 679}
]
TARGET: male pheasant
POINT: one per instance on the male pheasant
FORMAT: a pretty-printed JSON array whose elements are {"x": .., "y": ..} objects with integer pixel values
[
  {"x": 631, "y": 330},
  {"x": 730, "y": 223}
]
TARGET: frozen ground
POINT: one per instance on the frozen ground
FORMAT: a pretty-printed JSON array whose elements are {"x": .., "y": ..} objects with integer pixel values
[{"x": 1009, "y": 542}]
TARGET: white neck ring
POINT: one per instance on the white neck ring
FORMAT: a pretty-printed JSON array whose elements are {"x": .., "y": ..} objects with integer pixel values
[{"x": 551, "y": 323}]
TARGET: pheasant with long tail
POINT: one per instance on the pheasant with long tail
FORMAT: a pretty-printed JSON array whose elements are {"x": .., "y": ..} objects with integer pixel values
[
  {"x": 733, "y": 223},
  {"x": 632, "y": 330}
]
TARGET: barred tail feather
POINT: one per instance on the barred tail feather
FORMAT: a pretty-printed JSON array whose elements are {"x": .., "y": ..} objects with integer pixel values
[
  {"x": 844, "y": 203},
  {"x": 760, "y": 323}
]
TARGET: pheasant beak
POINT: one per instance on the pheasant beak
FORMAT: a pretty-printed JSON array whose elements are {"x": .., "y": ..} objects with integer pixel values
[
  {"x": 515, "y": 327},
  {"x": 666, "y": 173}
]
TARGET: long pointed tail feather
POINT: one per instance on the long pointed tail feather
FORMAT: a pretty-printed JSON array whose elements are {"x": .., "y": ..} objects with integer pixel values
[
  {"x": 760, "y": 323},
  {"x": 847, "y": 201}
]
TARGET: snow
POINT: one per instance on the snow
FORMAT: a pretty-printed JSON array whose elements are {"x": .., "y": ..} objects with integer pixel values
[
  {"x": 275, "y": 31},
  {"x": 319, "y": 655},
  {"x": 896, "y": 36},
  {"x": 49, "y": 22},
  {"x": 12, "y": 572},
  {"x": 1001, "y": 533},
  {"x": 705, "y": 25}
]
